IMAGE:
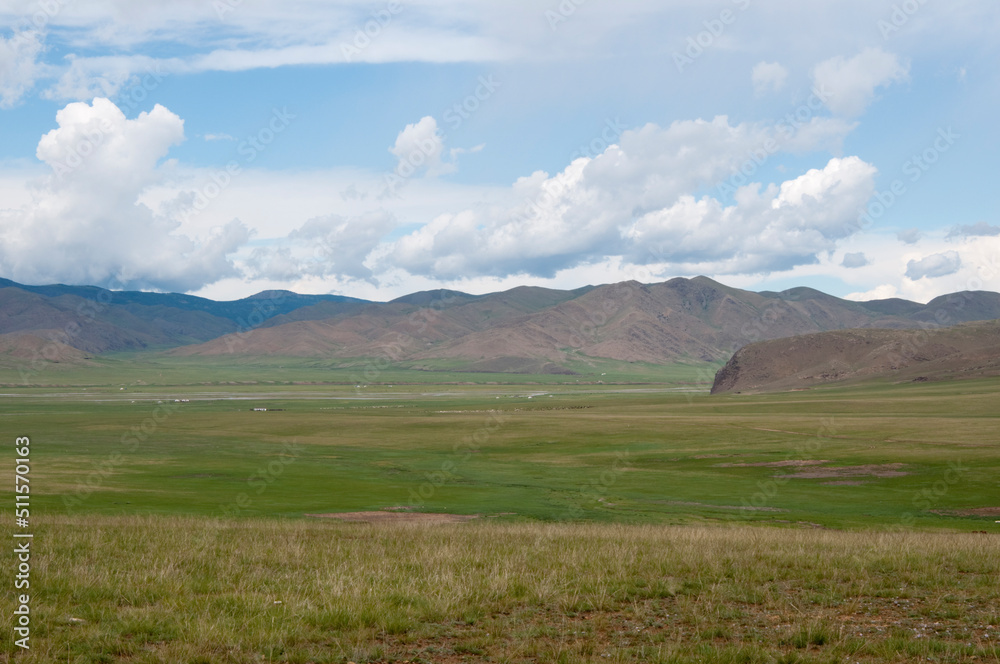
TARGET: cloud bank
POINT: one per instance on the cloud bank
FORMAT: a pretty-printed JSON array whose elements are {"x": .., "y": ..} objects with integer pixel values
[{"x": 85, "y": 223}]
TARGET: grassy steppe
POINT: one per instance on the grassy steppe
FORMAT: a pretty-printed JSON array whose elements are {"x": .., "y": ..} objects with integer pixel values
[
  {"x": 617, "y": 523},
  {"x": 185, "y": 589},
  {"x": 153, "y": 369},
  {"x": 604, "y": 454}
]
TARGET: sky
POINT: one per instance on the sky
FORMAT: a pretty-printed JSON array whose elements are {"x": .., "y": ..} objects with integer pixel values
[{"x": 374, "y": 149}]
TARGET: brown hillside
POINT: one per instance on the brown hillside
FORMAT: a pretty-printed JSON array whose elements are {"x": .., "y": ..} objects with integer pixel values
[
  {"x": 679, "y": 320},
  {"x": 964, "y": 351},
  {"x": 696, "y": 319},
  {"x": 30, "y": 352}
]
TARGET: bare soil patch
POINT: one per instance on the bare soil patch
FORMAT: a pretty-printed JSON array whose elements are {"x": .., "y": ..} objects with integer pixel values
[
  {"x": 867, "y": 470},
  {"x": 718, "y": 456},
  {"x": 775, "y": 464},
  {"x": 975, "y": 511},
  {"x": 747, "y": 508},
  {"x": 397, "y": 517}
]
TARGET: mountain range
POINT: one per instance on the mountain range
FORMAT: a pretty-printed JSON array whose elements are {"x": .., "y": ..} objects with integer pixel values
[
  {"x": 522, "y": 330},
  {"x": 97, "y": 320}
]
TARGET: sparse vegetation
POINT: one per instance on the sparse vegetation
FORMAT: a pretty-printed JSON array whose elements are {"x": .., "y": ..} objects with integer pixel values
[
  {"x": 616, "y": 523},
  {"x": 918, "y": 455},
  {"x": 173, "y": 589}
]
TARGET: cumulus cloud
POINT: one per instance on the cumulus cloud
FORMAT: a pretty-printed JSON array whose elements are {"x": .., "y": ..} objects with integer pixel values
[
  {"x": 19, "y": 66},
  {"x": 979, "y": 229},
  {"x": 935, "y": 265},
  {"x": 772, "y": 229},
  {"x": 635, "y": 201},
  {"x": 85, "y": 223},
  {"x": 419, "y": 149},
  {"x": 909, "y": 236},
  {"x": 330, "y": 246},
  {"x": 850, "y": 84},
  {"x": 341, "y": 245},
  {"x": 275, "y": 263},
  {"x": 855, "y": 260},
  {"x": 768, "y": 77}
]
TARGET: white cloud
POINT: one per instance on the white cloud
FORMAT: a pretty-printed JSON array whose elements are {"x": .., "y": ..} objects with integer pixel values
[
  {"x": 882, "y": 292},
  {"x": 979, "y": 229},
  {"x": 629, "y": 212},
  {"x": 419, "y": 148},
  {"x": 226, "y": 35},
  {"x": 132, "y": 76},
  {"x": 767, "y": 230},
  {"x": 85, "y": 223},
  {"x": 556, "y": 222},
  {"x": 325, "y": 246},
  {"x": 96, "y": 141},
  {"x": 586, "y": 219},
  {"x": 19, "y": 66},
  {"x": 909, "y": 236},
  {"x": 635, "y": 200},
  {"x": 855, "y": 260},
  {"x": 768, "y": 77},
  {"x": 274, "y": 264},
  {"x": 262, "y": 35},
  {"x": 454, "y": 152},
  {"x": 935, "y": 265},
  {"x": 851, "y": 84},
  {"x": 977, "y": 261}
]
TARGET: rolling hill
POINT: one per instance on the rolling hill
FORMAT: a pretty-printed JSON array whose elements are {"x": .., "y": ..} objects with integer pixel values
[
  {"x": 97, "y": 320},
  {"x": 969, "y": 350},
  {"x": 522, "y": 330},
  {"x": 543, "y": 331}
]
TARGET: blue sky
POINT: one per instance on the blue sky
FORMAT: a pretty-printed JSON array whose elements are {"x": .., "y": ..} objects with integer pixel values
[{"x": 226, "y": 147}]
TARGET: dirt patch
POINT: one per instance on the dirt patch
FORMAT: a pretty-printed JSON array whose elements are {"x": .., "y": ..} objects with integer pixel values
[
  {"x": 397, "y": 517},
  {"x": 747, "y": 508},
  {"x": 774, "y": 464},
  {"x": 845, "y": 483},
  {"x": 718, "y": 456},
  {"x": 975, "y": 511},
  {"x": 867, "y": 470}
]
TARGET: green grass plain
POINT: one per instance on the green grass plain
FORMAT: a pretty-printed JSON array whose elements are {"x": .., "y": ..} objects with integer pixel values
[
  {"x": 148, "y": 369},
  {"x": 617, "y": 521},
  {"x": 611, "y": 453}
]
